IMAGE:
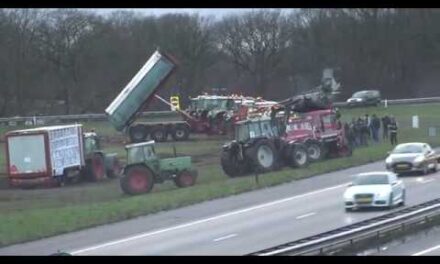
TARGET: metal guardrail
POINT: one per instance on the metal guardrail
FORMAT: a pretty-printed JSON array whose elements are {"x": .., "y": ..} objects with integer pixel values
[
  {"x": 400, "y": 101},
  {"x": 347, "y": 235},
  {"x": 42, "y": 120}
]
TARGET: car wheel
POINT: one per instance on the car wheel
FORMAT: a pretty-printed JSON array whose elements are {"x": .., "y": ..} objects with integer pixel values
[
  {"x": 391, "y": 202},
  {"x": 403, "y": 198},
  {"x": 425, "y": 170}
]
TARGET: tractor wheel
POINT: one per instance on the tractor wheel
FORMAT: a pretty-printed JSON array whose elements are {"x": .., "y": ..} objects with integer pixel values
[
  {"x": 97, "y": 168},
  {"x": 137, "y": 180},
  {"x": 263, "y": 156},
  {"x": 115, "y": 170},
  {"x": 231, "y": 165},
  {"x": 185, "y": 179},
  {"x": 314, "y": 151},
  {"x": 158, "y": 134},
  {"x": 138, "y": 133},
  {"x": 180, "y": 133},
  {"x": 298, "y": 156}
]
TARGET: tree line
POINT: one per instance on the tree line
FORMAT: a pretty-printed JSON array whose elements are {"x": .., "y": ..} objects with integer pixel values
[{"x": 67, "y": 61}]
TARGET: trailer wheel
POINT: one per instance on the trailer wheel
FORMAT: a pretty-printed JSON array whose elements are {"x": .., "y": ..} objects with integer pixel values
[
  {"x": 314, "y": 151},
  {"x": 298, "y": 156},
  {"x": 180, "y": 133},
  {"x": 185, "y": 179},
  {"x": 97, "y": 168},
  {"x": 263, "y": 155},
  {"x": 115, "y": 170},
  {"x": 138, "y": 133},
  {"x": 231, "y": 165},
  {"x": 158, "y": 134},
  {"x": 137, "y": 180}
]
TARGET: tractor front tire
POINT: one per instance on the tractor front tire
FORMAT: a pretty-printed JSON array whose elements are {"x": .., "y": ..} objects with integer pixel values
[
  {"x": 185, "y": 178},
  {"x": 231, "y": 165},
  {"x": 299, "y": 157},
  {"x": 137, "y": 180},
  {"x": 314, "y": 151}
]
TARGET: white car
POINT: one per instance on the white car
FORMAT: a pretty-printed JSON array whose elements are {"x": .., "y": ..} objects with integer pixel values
[{"x": 374, "y": 189}]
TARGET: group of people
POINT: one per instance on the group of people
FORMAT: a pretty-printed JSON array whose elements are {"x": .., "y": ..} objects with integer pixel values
[{"x": 363, "y": 129}]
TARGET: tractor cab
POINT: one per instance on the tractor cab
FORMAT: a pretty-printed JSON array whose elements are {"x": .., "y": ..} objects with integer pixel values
[
  {"x": 141, "y": 153},
  {"x": 255, "y": 128},
  {"x": 91, "y": 142}
]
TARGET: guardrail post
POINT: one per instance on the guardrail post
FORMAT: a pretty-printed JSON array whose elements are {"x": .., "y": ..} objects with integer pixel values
[{"x": 386, "y": 103}]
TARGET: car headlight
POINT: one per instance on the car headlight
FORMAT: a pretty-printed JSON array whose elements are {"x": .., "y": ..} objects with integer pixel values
[
  {"x": 419, "y": 159},
  {"x": 388, "y": 160}
]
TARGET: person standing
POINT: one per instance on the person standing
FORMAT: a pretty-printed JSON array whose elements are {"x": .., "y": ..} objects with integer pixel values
[
  {"x": 385, "y": 122},
  {"x": 392, "y": 127},
  {"x": 367, "y": 122},
  {"x": 375, "y": 126}
]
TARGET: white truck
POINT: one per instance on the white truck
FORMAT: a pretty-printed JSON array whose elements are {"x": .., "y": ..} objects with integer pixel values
[{"x": 54, "y": 155}]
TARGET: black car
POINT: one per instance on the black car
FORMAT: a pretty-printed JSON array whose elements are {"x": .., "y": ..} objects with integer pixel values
[{"x": 364, "y": 98}]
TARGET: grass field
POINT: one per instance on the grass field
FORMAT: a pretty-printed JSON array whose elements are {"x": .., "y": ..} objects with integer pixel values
[{"x": 55, "y": 211}]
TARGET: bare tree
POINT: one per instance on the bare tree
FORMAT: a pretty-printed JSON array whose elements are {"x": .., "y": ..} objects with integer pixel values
[
  {"x": 60, "y": 38},
  {"x": 256, "y": 42}
]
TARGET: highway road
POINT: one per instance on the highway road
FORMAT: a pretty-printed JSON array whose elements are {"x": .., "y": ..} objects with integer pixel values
[
  {"x": 422, "y": 243},
  {"x": 235, "y": 225}
]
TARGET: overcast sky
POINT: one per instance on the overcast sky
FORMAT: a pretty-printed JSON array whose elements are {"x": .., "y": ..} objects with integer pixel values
[{"x": 217, "y": 12}]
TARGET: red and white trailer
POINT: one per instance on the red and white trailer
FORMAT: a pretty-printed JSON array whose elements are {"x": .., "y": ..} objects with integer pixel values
[{"x": 45, "y": 155}]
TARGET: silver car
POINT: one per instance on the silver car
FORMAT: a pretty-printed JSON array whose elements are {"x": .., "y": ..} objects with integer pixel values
[
  {"x": 374, "y": 189},
  {"x": 412, "y": 157}
]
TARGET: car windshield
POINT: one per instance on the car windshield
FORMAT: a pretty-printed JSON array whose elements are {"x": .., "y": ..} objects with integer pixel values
[
  {"x": 408, "y": 149},
  {"x": 360, "y": 94},
  {"x": 370, "y": 179}
]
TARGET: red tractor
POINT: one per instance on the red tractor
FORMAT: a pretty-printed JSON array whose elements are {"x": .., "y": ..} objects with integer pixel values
[{"x": 213, "y": 114}]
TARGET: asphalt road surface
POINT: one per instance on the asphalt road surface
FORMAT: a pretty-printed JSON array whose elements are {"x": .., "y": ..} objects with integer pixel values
[{"x": 235, "y": 225}]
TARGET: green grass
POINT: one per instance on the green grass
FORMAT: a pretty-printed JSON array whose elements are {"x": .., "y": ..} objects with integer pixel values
[{"x": 62, "y": 210}]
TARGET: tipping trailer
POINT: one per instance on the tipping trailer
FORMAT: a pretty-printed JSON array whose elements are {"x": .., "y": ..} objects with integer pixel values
[
  {"x": 55, "y": 155},
  {"x": 122, "y": 112}
]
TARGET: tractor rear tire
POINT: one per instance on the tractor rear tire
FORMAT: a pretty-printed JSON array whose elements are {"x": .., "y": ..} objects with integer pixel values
[
  {"x": 137, "y": 180},
  {"x": 180, "y": 133},
  {"x": 298, "y": 156},
  {"x": 263, "y": 156},
  {"x": 314, "y": 151},
  {"x": 96, "y": 168},
  {"x": 138, "y": 133},
  {"x": 185, "y": 178},
  {"x": 158, "y": 134},
  {"x": 231, "y": 165}
]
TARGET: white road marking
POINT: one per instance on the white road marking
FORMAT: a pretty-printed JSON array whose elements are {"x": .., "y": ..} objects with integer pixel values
[
  {"x": 210, "y": 219},
  {"x": 426, "y": 251},
  {"x": 420, "y": 179},
  {"x": 305, "y": 215},
  {"x": 225, "y": 237}
]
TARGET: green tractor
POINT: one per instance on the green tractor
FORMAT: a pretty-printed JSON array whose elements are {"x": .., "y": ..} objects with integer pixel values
[
  {"x": 98, "y": 164},
  {"x": 144, "y": 168}
]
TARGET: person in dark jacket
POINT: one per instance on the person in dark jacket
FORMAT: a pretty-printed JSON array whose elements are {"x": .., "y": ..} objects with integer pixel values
[
  {"x": 385, "y": 122},
  {"x": 392, "y": 127},
  {"x": 375, "y": 126}
]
